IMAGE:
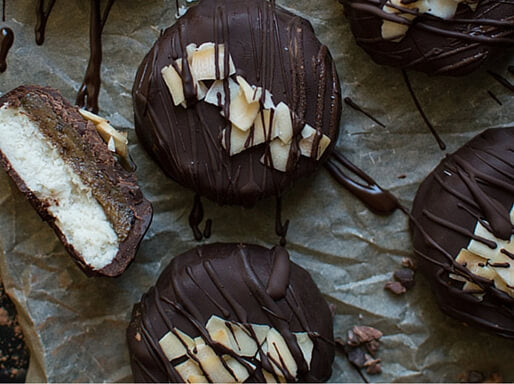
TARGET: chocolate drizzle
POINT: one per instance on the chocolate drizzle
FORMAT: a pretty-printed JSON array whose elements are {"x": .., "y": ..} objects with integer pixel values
[
  {"x": 280, "y": 228},
  {"x": 90, "y": 89},
  {"x": 502, "y": 80},
  {"x": 378, "y": 200},
  {"x": 228, "y": 280},
  {"x": 42, "y": 15},
  {"x": 440, "y": 142},
  {"x": 358, "y": 108},
  {"x": 6, "y": 41},
  {"x": 196, "y": 218},
  {"x": 433, "y": 45},
  {"x": 273, "y": 49},
  {"x": 475, "y": 184}
]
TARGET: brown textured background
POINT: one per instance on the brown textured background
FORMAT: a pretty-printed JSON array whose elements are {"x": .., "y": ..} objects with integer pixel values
[{"x": 75, "y": 326}]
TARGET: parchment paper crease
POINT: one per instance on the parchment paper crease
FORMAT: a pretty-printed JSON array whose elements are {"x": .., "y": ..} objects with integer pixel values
[{"x": 75, "y": 326}]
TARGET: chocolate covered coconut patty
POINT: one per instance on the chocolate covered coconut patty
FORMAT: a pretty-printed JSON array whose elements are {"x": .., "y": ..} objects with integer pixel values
[
  {"x": 237, "y": 100},
  {"x": 232, "y": 313},
  {"x": 440, "y": 37},
  {"x": 56, "y": 156},
  {"x": 462, "y": 222}
]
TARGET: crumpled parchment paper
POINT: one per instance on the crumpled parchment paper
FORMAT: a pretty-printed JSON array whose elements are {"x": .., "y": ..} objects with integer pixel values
[{"x": 75, "y": 326}]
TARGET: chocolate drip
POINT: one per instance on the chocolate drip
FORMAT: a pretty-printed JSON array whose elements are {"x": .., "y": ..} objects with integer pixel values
[
  {"x": 6, "y": 41},
  {"x": 502, "y": 80},
  {"x": 272, "y": 49},
  {"x": 279, "y": 277},
  {"x": 225, "y": 280},
  {"x": 440, "y": 142},
  {"x": 89, "y": 91},
  {"x": 42, "y": 15},
  {"x": 371, "y": 194},
  {"x": 454, "y": 46},
  {"x": 3, "y": 10},
  {"x": 473, "y": 185},
  {"x": 196, "y": 218},
  {"x": 280, "y": 228},
  {"x": 358, "y": 108}
]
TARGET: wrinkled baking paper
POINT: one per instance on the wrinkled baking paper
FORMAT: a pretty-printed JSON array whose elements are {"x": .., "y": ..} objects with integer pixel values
[{"x": 75, "y": 326}]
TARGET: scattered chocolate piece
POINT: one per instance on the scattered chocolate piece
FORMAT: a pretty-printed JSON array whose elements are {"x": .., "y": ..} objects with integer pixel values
[
  {"x": 372, "y": 365},
  {"x": 372, "y": 346},
  {"x": 405, "y": 277},
  {"x": 395, "y": 287},
  {"x": 357, "y": 357},
  {"x": 407, "y": 262},
  {"x": 366, "y": 334},
  {"x": 72, "y": 179}
]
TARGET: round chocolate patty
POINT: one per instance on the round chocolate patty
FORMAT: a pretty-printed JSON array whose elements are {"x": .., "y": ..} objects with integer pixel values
[
  {"x": 462, "y": 222},
  {"x": 270, "y": 48},
  {"x": 246, "y": 293},
  {"x": 454, "y": 46}
]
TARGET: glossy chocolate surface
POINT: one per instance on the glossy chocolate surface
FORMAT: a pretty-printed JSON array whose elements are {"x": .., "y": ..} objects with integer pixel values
[
  {"x": 244, "y": 283},
  {"x": 475, "y": 183},
  {"x": 271, "y": 48},
  {"x": 436, "y": 46}
]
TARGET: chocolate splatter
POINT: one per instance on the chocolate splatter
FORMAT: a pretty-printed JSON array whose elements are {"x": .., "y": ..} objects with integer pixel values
[
  {"x": 358, "y": 108},
  {"x": 440, "y": 142},
  {"x": 371, "y": 194}
]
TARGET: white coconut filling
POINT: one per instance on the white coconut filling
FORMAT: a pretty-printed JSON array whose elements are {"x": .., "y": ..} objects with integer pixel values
[{"x": 77, "y": 213}]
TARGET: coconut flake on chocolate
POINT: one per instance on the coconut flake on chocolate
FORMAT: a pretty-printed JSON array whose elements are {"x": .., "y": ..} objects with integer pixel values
[
  {"x": 463, "y": 225},
  {"x": 254, "y": 117},
  {"x": 232, "y": 313},
  {"x": 213, "y": 147},
  {"x": 439, "y": 37}
]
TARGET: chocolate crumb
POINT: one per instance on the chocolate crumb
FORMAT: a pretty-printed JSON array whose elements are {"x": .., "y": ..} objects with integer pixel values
[
  {"x": 402, "y": 176},
  {"x": 395, "y": 287},
  {"x": 405, "y": 277}
]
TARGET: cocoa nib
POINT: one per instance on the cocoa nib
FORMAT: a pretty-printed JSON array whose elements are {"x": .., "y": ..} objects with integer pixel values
[
  {"x": 395, "y": 287},
  {"x": 405, "y": 277},
  {"x": 365, "y": 334},
  {"x": 362, "y": 339}
]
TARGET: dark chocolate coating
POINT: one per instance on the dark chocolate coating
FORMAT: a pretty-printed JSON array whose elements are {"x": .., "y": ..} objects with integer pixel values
[
  {"x": 232, "y": 281},
  {"x": 106, "y": 167},
  {"x": 271, "y": 48},
  {"x": 439, "y": 47},
  {"x": 474, "y": 182}
]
